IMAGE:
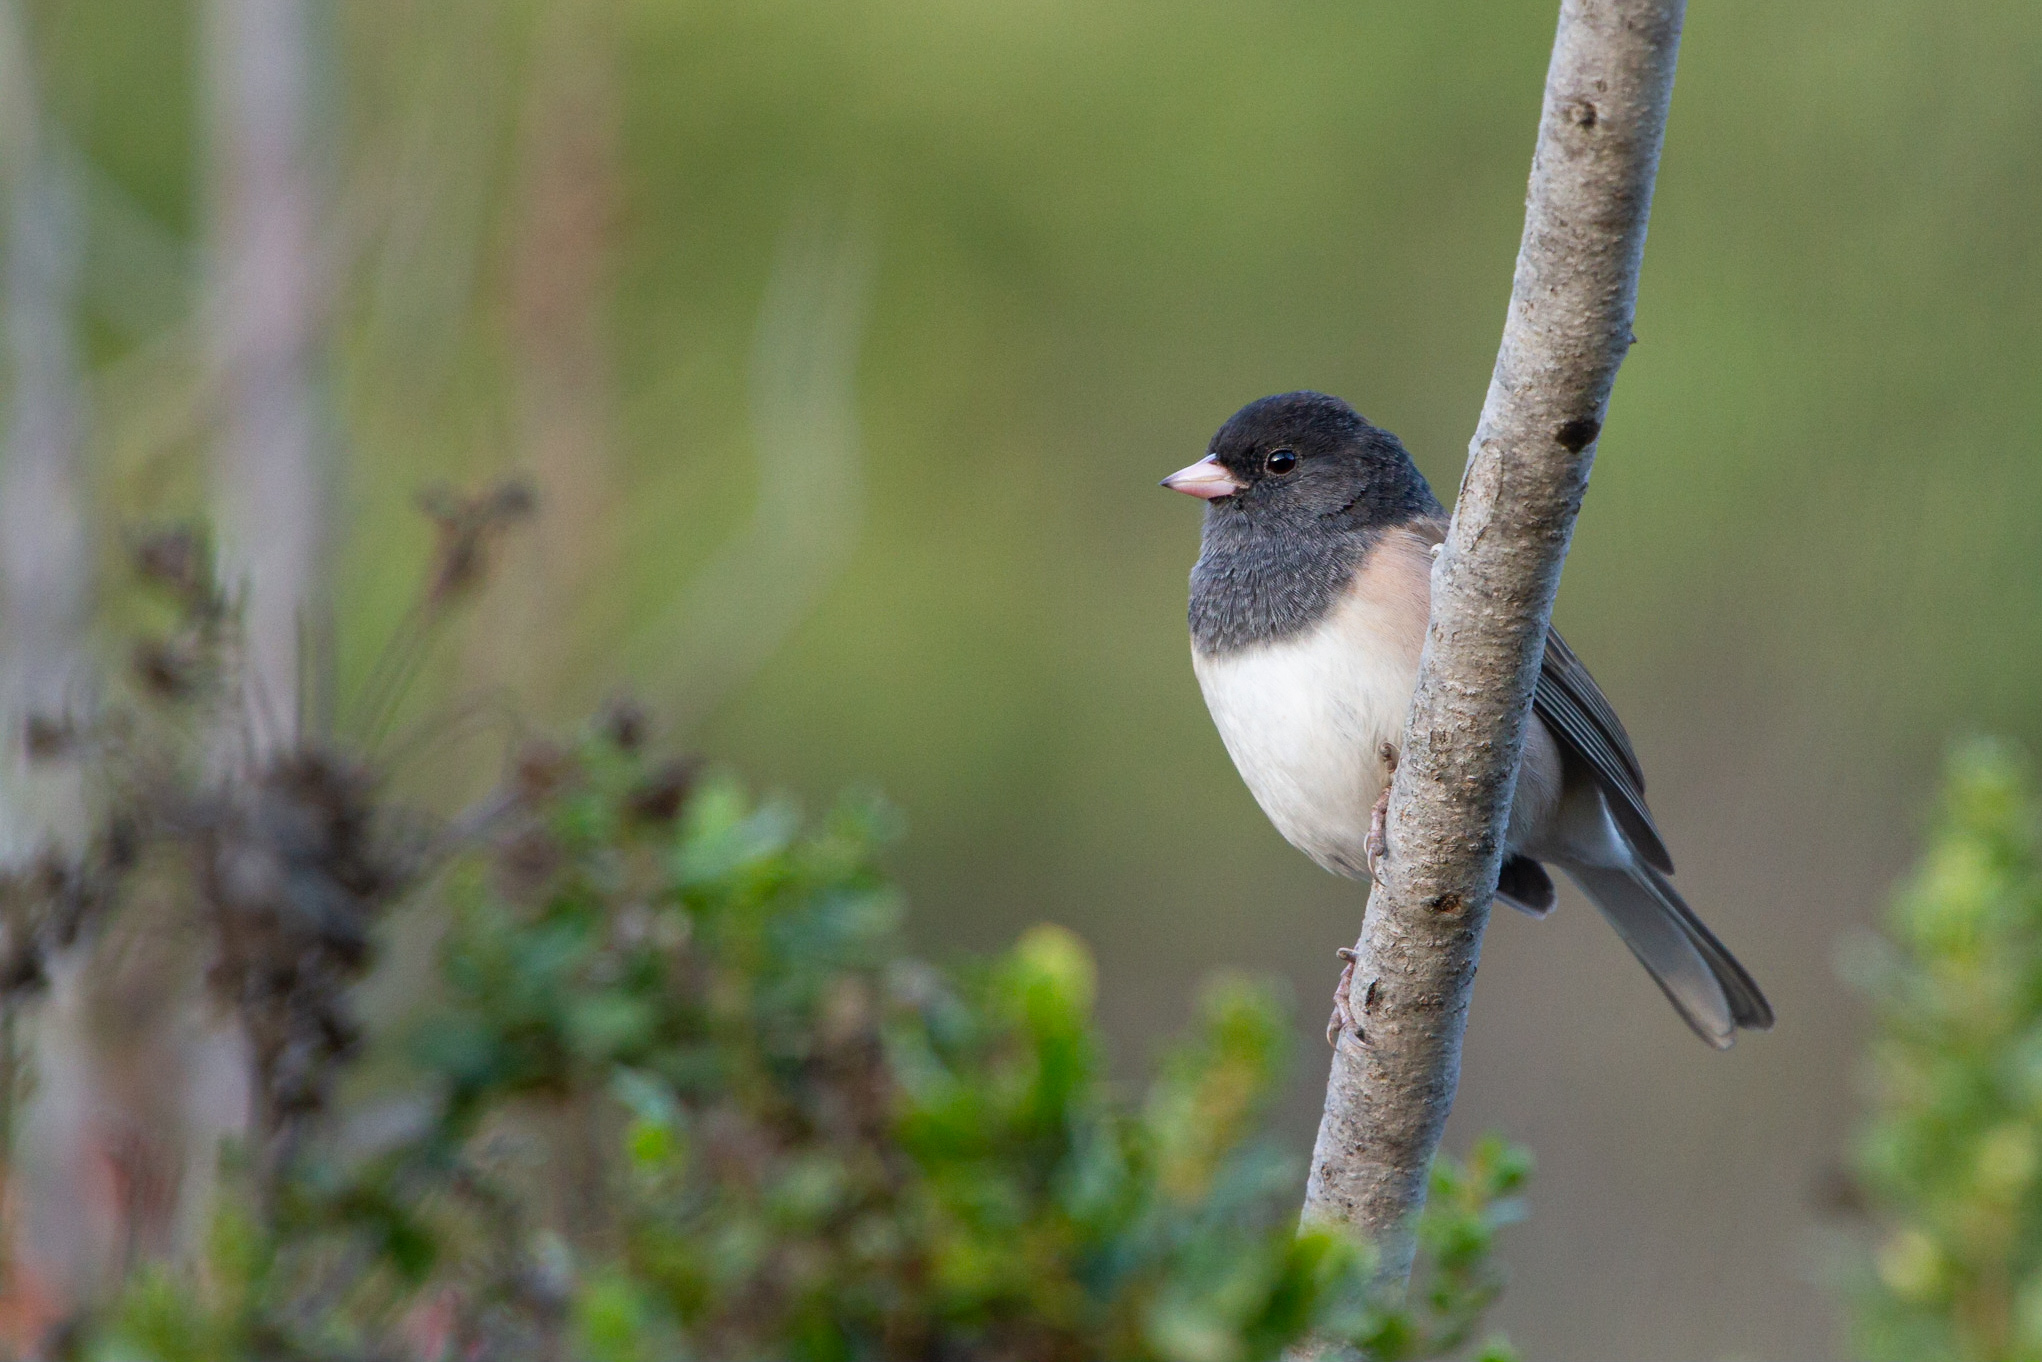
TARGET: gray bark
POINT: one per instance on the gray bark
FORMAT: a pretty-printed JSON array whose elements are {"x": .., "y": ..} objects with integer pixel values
[
  {"x": 1568, "y": 328},
  {"x": 270, "y": 470}
]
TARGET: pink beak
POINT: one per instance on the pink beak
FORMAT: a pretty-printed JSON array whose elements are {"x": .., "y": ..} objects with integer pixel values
[{"x": 1207, "y": 479}]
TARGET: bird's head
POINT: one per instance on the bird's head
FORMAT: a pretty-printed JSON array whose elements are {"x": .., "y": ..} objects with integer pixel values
[{"x": 1304, "y": 456}]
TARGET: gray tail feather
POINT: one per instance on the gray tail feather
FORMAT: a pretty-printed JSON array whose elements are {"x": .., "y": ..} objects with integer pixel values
[{"x": 1711, "y": 991}]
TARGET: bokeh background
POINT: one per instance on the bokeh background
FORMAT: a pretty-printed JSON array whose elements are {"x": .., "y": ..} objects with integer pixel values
[{"x": 845, "y": 341}]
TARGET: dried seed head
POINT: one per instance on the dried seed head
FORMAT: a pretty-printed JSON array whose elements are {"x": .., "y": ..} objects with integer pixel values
[
  {"x": 659, "y": 799},
  {"x": 169, "y": 669},
  {"x": 177, "y": 559},
  {"x": 295, "y": 869},
  {"x": 467, "y": 527},
  {"x": 625, "y": 723},
  {"x": 48, "y": 737},
  {"x": 526, "y": 860},
  {"x": 542, "y": 769}
]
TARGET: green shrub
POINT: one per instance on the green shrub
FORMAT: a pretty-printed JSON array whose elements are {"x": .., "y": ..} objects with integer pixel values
[
  {"x": 1950, "y": 1156},
  {"x": 681, "y": 1095}
]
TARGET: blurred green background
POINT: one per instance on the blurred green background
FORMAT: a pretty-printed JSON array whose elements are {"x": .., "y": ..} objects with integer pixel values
[{"x": 1053, "y": 245}]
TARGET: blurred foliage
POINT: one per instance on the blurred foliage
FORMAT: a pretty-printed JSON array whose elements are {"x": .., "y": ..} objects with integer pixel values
[
  {"x": 1951, "y": 1155},
  {"x": 679, "y": 1092},
  {"x": 1098, "y": 228}
]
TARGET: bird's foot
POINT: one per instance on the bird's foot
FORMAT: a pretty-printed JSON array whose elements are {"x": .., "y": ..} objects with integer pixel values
[
  {"x": 1343, "y": 1001},
  {"x": 1378, "y": 843},
  {"x": 1377, "y": 846}
]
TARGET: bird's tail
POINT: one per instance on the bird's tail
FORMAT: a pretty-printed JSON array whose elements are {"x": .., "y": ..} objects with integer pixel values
[{"x": 1706, "y": 985}]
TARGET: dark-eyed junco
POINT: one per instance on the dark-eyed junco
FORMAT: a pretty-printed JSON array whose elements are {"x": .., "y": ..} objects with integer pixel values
[{"x": 1308, "y": 613}]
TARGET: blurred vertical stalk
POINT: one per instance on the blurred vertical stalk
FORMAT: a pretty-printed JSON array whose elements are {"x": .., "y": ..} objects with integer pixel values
[
  {"x": 271, "y": 460},
  {"x": 45, "y": 568},
  {"x": 564, "y": 393},
  {"x": 45, "y": 565},
  {"x": 45, "y": 586}
]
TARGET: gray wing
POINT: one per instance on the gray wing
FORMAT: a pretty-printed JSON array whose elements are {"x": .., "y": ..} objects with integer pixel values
[{"x": 1582, "y": 722}]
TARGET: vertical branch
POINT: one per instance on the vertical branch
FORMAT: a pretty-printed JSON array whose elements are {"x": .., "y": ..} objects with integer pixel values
[
  {"x": 270, "y": 471},
  {"x": 1568, "y": 327}
]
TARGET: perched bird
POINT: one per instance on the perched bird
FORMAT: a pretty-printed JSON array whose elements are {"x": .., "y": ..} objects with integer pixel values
[{"x": 1308, "y": 612}]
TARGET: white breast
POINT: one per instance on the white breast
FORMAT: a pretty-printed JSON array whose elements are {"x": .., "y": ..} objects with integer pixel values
[{"x": 1304, "y": 718}]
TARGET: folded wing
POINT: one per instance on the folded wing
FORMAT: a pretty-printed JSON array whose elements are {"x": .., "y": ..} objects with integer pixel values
[{"x": 1581, "y": 719}]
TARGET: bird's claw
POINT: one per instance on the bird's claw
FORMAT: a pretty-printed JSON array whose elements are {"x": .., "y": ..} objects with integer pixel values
[
  {"x": 1343, "y": 1000},
  {"x": 1377, "y": 846},
  {"x": 1378, "y": 843}
]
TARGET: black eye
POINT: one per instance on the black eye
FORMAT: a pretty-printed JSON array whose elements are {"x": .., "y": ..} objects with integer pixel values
[{"x": 1281, "y": 461}]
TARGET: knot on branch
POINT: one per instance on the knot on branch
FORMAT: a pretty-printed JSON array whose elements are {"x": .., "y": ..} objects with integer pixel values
[
  {"x": 1578, "y": 434},
  {"x": 1579, "y": 111}
]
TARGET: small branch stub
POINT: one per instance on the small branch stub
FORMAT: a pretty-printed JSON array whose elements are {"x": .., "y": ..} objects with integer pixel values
[{"x": 1569, "y": 325}]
